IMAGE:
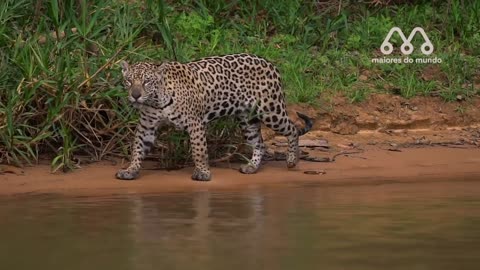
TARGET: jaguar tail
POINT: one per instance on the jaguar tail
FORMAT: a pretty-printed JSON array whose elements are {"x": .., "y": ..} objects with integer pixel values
[{"x": 308, "y": 124}]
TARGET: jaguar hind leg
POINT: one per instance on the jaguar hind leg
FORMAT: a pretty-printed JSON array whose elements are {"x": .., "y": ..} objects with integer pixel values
[
  {"x": 253, "y": 137},
  {"x": 281, "y": 124}
]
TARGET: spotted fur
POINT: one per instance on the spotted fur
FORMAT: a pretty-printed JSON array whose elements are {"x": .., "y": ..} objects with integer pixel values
[{"x": 192, "y": 94}]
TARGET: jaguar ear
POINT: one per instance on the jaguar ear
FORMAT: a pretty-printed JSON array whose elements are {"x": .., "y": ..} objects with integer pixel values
[{"x": 125, "y": 67}]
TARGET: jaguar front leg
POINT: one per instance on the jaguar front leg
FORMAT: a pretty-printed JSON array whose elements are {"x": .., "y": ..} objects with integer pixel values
[
  {"x": 198, "y": 142},
  {"x": 144, "y": 141}
]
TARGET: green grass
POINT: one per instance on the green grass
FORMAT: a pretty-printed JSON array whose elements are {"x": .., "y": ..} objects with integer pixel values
[{"x": 60, "y": 91}]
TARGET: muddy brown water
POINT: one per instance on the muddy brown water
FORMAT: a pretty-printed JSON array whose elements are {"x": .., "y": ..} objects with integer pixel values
[{"x": 432, "y": 225}]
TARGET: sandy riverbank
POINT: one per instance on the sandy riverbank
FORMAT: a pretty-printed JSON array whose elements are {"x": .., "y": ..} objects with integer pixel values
[{"x": 373, "y": 166}]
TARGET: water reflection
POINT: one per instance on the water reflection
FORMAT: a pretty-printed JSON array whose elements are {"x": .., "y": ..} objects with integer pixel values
[{"x": 396, "y": 226}]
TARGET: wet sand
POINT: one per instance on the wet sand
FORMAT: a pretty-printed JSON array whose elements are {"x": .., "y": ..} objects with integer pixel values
[{"x": 374, "y": 166}]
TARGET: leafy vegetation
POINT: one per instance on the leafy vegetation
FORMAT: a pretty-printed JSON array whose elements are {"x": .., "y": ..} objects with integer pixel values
[{"x": 60, "y": 86}]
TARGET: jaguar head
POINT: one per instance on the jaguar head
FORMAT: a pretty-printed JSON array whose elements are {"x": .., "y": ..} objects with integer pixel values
[{"x": 139, "y": 80}]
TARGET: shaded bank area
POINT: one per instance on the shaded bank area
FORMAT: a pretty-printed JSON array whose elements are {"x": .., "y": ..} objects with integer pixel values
[{"x": 373, "y": 165}]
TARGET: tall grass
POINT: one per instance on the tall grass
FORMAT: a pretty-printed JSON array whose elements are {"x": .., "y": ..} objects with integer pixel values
[{"x": 60, "y": 92}]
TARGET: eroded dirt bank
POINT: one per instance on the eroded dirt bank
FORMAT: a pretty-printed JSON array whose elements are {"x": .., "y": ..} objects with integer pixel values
[{"x": 385, "y": 112}]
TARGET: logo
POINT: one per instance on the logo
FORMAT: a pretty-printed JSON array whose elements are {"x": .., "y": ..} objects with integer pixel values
[{"x": 406, "y": 48}]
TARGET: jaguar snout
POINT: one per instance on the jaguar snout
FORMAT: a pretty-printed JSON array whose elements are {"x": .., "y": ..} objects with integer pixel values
[{"x": 136, "y": 94}]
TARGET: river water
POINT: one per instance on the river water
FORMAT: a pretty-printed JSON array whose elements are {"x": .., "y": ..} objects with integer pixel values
[{"x": 432, "y": 225}]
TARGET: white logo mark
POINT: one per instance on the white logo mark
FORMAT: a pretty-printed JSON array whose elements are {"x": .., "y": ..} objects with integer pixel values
[{"x": 407, "y": 47}]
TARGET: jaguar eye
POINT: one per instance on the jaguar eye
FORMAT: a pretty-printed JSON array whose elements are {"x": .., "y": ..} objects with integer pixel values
[
  {"x": 127, "y": 83},
  {"x": 146, "y": 83}
]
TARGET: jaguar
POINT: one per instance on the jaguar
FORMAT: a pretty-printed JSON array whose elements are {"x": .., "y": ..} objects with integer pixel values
[{"x": 189, "y": 95}]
